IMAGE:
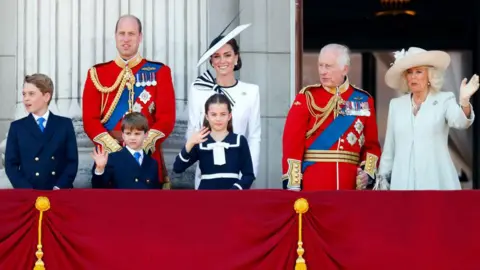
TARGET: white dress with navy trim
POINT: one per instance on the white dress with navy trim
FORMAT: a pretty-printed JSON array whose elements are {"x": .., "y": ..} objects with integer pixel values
[{"x": 223, "y": 165}]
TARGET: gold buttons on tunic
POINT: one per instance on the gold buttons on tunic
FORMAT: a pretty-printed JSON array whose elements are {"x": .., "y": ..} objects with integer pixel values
[
  {"x": 53, "y": 158},
  {"x": 37, "y": 174},
  {"x": 37, "y": 159},
  {"x": 148, "y": 181},
  {"x": 53, "y": 173},
  {"x": 136, "y": 179}
]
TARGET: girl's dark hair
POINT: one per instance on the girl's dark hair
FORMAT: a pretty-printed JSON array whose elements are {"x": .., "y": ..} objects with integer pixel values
[
  {"x": 218, "y": 99},
  {"x": 236, "y": 49}
]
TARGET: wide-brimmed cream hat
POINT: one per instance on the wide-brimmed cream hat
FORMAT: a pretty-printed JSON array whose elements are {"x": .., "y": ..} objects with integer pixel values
[{"x": 414, "y": 57}]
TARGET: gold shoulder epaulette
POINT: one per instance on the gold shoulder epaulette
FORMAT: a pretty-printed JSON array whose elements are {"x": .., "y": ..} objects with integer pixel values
[
  {"x": 361, "y": 90},
  {"x": 304, "y": 89}
]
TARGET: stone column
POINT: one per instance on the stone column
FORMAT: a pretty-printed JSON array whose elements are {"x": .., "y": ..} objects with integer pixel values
[
  {"x": 64, "y": 38},
  {"x": 268, "y": 57}
]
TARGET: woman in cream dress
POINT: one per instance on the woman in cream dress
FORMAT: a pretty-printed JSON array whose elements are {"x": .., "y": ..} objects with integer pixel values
[
  {"x": 415, "y": 154},
  {"x": 224, "y": 57}
]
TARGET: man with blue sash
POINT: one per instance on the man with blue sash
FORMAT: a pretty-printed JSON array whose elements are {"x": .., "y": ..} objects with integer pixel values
[
  {"x": 330, "y": 139},
  {"x": 129, "y": 83}
]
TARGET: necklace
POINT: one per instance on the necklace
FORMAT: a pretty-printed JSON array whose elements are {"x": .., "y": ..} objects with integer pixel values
[{"x": 416, "y": 107}]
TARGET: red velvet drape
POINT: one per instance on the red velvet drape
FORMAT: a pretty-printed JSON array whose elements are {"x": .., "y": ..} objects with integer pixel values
[{"x": 257, "y": 229}]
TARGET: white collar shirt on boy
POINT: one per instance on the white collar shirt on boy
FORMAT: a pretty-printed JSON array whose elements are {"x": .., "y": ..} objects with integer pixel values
[{"x": 133, "y": 154}]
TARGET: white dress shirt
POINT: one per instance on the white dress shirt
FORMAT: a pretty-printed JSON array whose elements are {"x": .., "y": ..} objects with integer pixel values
[
  {"x": 45, "y": 116},
  {"x": 133, "y": 152}
]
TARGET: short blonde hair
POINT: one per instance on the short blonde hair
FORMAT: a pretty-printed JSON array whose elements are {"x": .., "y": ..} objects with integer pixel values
[{"x": 435, "y": 79}]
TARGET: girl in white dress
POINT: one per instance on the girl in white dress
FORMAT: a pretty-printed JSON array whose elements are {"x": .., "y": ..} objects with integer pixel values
[
  {"x": 224, "y": 57},
  {"x": 416, "y": 155}
]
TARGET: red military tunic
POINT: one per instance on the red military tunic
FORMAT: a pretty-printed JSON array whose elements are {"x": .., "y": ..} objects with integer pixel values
[
  {"x": 323, "y": 145},
  {"x": 147, "y": 88}
]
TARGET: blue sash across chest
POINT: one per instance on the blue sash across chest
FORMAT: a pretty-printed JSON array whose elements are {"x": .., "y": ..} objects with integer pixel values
[
  {"x": 336, "y": 129},
  {"x": 122, "y": 106}
]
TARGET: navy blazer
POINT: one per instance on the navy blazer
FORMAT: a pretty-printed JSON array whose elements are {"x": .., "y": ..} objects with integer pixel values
[
  {"x": 124, "y": 172},
  {"x": 41, "y": 160}
]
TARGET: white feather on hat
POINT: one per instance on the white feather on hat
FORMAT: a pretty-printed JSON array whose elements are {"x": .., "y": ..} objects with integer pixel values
[{"x": 414, "y": 57}]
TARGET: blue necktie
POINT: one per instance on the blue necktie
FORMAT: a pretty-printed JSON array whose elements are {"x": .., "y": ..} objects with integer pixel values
[
  {"x": 137, "y": 157},
  {"x": 40, "y": 121}
]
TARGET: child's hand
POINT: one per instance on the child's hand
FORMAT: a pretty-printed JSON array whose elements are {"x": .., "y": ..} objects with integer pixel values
[
  {"x": 196, "y": 138},
  {"x": 100, "y": 157}
]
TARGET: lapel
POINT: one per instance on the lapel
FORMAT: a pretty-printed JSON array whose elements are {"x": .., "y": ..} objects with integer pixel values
[
  {"x": 52, "y": 123},
  {"x": 32, "y": 126},
  {"x": 130, "y": 158},
  {"x": 146, "y": 163}
]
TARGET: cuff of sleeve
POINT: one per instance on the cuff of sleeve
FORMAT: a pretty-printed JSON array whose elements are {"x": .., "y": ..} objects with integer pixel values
[
  {"x": 98, "y": 173},
  {"x": 237, "y": 186},
  {"x": 294, "y": 174},
  {"x": 184, "y": 156},
  {"x": 370, "y": 165}
]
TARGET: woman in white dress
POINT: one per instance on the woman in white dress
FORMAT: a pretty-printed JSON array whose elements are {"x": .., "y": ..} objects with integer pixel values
[
  {"x": 224, "y": 57},
  {"x": 415, "y": 154}
]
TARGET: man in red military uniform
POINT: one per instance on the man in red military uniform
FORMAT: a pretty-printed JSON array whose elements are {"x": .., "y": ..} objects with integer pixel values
[
  {"x": 330, "y": 140},
  {"x": 129, "y": 83}
]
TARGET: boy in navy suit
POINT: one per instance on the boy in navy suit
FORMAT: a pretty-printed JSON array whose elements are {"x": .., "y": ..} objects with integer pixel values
[
  {"x": 129, "y": 168},
  {"x": 41, "y": 151}
]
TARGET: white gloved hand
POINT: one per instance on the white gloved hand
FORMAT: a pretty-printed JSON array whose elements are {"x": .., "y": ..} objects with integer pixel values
[{"x": 468, "y": 89}]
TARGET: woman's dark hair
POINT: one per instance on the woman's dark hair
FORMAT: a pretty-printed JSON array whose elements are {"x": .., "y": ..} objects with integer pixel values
[
  {"x": 218, "y": 99},
  {"x": 236, "y": 49}
]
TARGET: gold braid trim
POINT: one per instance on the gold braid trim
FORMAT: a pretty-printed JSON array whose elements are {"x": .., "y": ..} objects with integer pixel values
[
  {"x": 42, "y": 204},
  {"x": 108, "y": 142},
  {"x": 294, "y": 174},
  {"x": 370, "y": 164},
  {"x": 153, "y": 136},
  {"x": 125, "y": 78},
  {"x": 324, "y": 112},
  {"x": 100, "y": 87}
]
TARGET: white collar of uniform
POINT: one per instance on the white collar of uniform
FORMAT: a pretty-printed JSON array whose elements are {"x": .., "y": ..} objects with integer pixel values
[
  {"x": 133, "y": 151},
  {"x": 45, "y": 116}
]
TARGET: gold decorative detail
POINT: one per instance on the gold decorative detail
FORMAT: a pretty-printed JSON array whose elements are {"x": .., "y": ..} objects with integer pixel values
[
  {"x": 297, "y": 103},
  {"x": 395, "y": 7},
  {"x": 150, "y": 141},
  {"x": 125, "y": 78},
  {"x": 294, "y": 173},
  {"x": 108, "y": 142},
  {"x": 42, "y": 204},
  {"x": 341, "y": 89},
  {"x": 333, "y": 105},
  {"x": 331, "y": 156},
  {"x": 131, "y": 63},
  {"x": 371, "y": 164},
  {"x": 148, "y": 68},
  {"x": 301, "y": 207}
]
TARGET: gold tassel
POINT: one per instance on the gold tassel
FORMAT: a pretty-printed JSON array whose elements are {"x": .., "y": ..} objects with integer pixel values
[
  {"x": 42, "y": 204},
  {"x": 301, "y": 207}
]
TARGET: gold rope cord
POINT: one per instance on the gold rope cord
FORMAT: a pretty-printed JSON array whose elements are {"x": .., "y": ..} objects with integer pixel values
[
  {"x": 42, "y": 204},
  {"x": 332, "y": 105},
  {"x": 301, "y": 207}
]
